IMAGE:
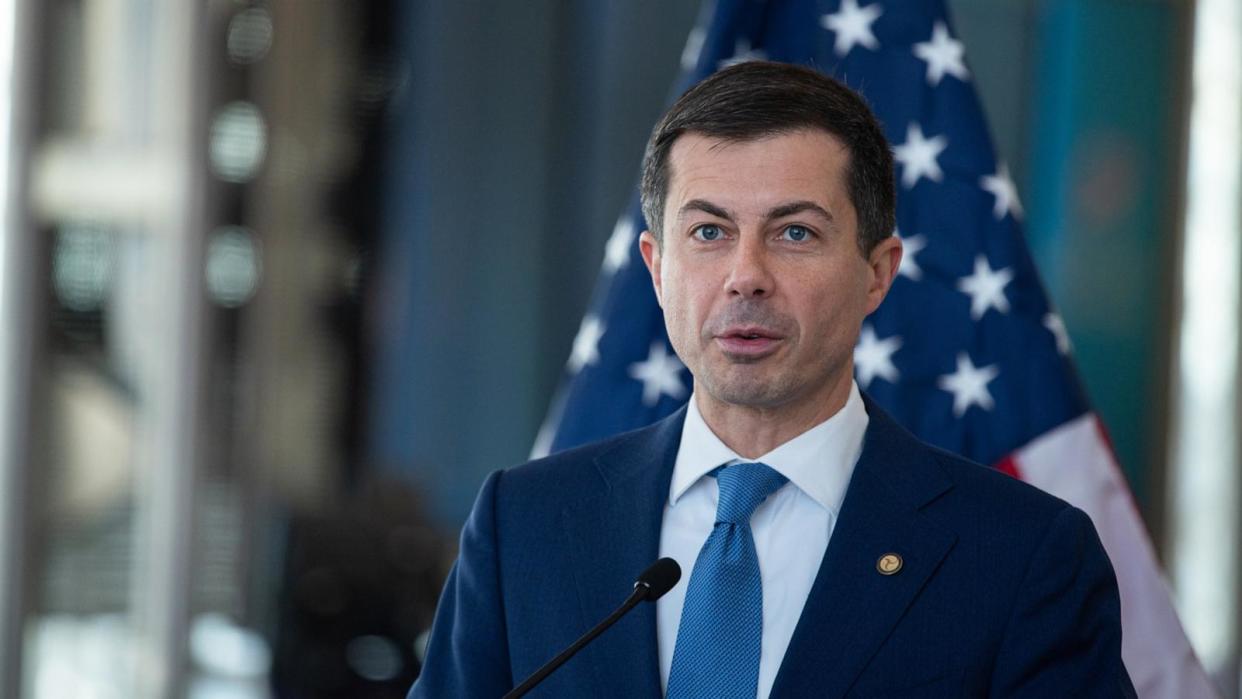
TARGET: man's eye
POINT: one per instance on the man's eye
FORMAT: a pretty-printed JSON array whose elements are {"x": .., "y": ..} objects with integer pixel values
[
  {"x": 708, "y": 232},
  {"x": 796, "y": 233}
]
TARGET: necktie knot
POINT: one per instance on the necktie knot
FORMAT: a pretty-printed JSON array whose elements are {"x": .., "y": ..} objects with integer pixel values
[{"x": 743, "y": 487}]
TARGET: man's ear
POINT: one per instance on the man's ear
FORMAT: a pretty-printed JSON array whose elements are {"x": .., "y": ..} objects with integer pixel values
[
  {"x": 884, "y": 261},
  {"x": 650, "y": 249}
]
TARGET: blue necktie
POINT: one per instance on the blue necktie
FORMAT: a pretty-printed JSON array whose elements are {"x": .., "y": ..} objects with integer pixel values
[{"x": 717, "y": 651}]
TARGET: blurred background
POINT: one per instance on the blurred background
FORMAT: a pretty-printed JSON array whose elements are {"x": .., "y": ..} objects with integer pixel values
[{"x": 282, "y": 281}]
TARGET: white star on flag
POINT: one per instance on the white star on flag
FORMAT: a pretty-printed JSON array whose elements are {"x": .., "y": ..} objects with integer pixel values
[
  {"x": 1001, "y": 186},
  {"x": 874, "y": 357},
  {"x": 742, "y": 52},
  {"x": 852, "y": 25},
  {"x": 918, "y": 156},
  {"x": 943, "y": 54},
  {"x": 986, "y": 287},
  {"x": 694, "y": 46},
  {"x": 909, "y": 248},
  {"x": 969, "y": 385},
  {"x": 1056, "y": 326},
  {"x": 660, "y": 374},
  {"x": 617, "y": 252},
  {"x": 586, "y": 344}
]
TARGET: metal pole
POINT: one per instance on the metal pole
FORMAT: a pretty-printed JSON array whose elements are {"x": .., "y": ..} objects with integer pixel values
[
  {"x": 20, "y": 287},
  {"x": 1205, "y": 489},
  {"x": 163, "y": 577}
]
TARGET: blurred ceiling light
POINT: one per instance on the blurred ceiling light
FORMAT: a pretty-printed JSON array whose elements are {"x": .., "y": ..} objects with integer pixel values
[
  {"x": 420, "y": 645},
  {"x": 83, "y": 263},
  {"x": 249, "y": 35},
  {"x": 233, "y": 266},
  {"x": 238, "y": 142},
  {"x": 80, "y": 656},
  {"x": 1204, "y": 483},
  {"x": 221, "y": 647},
  {"x": 374, "y": 658},
  {"x": 77, "y": 178}
]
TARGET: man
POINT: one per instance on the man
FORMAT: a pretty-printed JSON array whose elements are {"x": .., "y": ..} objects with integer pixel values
[{"x": 826, "y": 552}]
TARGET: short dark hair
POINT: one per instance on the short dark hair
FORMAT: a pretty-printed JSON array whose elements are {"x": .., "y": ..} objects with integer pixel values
[{"x": 756, "y": 99}]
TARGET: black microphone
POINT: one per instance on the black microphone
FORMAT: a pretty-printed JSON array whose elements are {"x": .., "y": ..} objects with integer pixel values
[{"x": 650, "y": 586}]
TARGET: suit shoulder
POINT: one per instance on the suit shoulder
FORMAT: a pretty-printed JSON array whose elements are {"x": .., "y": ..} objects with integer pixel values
[
  {"x": 998, "y": 494},
  {"x": 564, "y": 468},
  {"x": 1006, "y": 521},
  {"x": 967, "y": 488}
]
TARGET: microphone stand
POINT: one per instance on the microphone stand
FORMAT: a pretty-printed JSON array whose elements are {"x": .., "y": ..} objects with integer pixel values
[{"x": 640, "y": 593}]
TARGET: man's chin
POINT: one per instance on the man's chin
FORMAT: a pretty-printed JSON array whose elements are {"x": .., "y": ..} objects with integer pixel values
[{"x": 748, "y": 391}]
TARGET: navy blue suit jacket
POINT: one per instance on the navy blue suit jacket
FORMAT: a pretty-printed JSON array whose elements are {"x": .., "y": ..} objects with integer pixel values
[{"x": 1005, "y": 591}]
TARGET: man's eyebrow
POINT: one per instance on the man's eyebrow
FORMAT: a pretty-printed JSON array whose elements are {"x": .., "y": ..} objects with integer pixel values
[
  {"x": 706, "y": 207},
  {"x": 779, "y": 211},
  {"x": 797, "y": 207}
]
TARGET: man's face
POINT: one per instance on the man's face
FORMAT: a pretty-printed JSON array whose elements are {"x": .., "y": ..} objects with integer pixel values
[{"x": 759, "y": 272}]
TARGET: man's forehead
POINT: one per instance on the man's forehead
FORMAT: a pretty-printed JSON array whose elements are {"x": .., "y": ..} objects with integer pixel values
[
  {"x": 699, "y": 142},
  {"x": 810, "y": 160}
]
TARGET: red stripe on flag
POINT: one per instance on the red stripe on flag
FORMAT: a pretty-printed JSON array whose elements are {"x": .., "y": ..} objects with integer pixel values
[{"x": 1009, "y": 465}]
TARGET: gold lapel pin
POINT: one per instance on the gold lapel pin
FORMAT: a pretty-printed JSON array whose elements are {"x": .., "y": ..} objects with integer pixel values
[{"x": 889, "y": 564}]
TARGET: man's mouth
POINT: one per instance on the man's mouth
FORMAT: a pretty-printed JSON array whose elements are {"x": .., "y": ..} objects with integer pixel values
[{"x": 748, "y": 342}]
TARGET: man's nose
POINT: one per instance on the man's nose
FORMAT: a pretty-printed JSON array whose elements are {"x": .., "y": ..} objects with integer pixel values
[{"x": 749, "y": 272}]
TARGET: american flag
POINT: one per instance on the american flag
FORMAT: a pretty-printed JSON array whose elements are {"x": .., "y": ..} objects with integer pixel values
[{"x": 966, "y": 351}]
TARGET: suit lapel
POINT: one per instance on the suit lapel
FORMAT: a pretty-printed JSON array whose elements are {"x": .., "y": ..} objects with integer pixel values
[
  {"x": 852, "y": 607},
  {"x": 614, "y": 534}
]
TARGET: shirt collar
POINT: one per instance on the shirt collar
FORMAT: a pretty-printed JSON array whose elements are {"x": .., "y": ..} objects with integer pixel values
[{"x": 819, "y": 461}]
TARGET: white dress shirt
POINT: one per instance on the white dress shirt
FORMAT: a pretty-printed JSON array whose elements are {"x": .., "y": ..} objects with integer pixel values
[{"x": 791, "y": 528}]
